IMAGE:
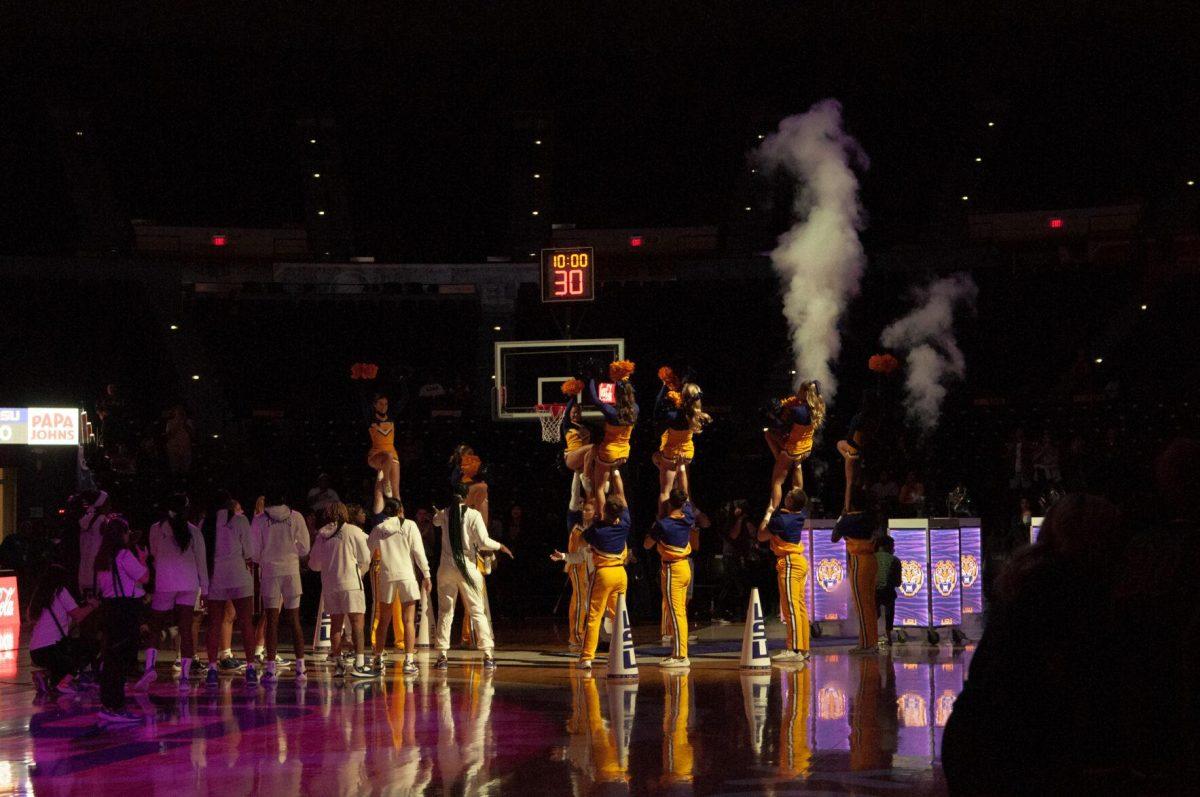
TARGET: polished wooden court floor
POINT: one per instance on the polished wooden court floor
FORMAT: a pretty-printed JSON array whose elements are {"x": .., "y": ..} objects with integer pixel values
[{"x": 839, "y": 724}]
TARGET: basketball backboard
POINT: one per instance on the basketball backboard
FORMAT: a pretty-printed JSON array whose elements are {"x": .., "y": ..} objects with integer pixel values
[{"x": 531, "y": 372}]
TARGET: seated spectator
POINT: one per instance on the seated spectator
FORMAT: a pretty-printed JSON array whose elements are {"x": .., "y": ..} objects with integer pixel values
[
  {"x": 1157, "y": 722},
  {"x": 322, "y": 496},
  {"x": 1032, "y": 717}
]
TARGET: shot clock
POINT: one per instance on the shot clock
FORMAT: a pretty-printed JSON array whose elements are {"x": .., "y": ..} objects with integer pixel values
[{"x": 568, "y": 274}]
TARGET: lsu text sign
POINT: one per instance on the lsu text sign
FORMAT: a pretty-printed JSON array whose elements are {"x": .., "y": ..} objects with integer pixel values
[{"x": 39, "y": 426}]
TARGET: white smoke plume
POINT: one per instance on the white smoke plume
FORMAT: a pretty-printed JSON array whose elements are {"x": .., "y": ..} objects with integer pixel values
[
  {"x": 926, "y": 334},
  {"x": 820, "y": 260}
]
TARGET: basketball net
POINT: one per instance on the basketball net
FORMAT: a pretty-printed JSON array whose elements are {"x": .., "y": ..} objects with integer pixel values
[{"x": 551, "y": 416}]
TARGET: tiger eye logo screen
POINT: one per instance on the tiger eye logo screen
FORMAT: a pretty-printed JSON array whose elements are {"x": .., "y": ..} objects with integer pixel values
[
  {"x": 971, "y": 559},
  {"x": 912, "y": 598},
  {"x": 943, "y": 567},
  {"x": 828, "y": 587}
]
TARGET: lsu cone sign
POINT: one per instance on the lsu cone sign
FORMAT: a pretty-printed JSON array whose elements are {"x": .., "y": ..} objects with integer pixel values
[
  {"x": 754, "y": 638},
  {"x": 622, "y": 663}
]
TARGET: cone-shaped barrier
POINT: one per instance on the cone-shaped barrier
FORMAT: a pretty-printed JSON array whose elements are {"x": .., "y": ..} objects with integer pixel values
[
  {"x": 756, "y": 687},
  {"x": 425, "y": 622},
  {"x": 622, "y": 663},
  {"x": 622, "y": 705},
  {"x": 754, "y": 638},
  {"x": 323, "y": 631}
]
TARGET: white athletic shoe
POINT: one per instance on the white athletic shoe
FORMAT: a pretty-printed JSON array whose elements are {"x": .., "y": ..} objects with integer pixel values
[
  {"x": 786, "y": 655},
  {"x": 670, "y": 662},
  {"x": 574, "y": 648},
  {"x": 584, "y": 664}
]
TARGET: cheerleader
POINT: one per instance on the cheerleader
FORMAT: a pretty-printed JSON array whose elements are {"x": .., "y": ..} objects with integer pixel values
[
  {"x": 90, "y": 526},
  {"x": 608, "y": 542},
  {"x": 226, "y": 534},
  {"x": 858, "y": 529},
  {"x": 463, "y": 536},
  {"x": 341, "y": 555},
  {"x": 798, "y": 418},
  {"x": 382, "y": 456},
  {"x": 785, "y": 533},
  {"x": 678, "y": 408},
  {"x": 577, "y": 437},
  {"x": 863, "y": 428},
  {"x": 672, "y": 535},
  {"x": 619, "y": 420},
  {"x": 180, "y": 579},
  {"x": 578, "y": 564},
  {"x": 467, "y": 468}
]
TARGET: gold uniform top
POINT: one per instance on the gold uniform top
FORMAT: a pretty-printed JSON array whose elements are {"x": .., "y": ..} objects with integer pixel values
[
  {"x": 383, "y": 438},
  {"x": 601, "y": 559}
]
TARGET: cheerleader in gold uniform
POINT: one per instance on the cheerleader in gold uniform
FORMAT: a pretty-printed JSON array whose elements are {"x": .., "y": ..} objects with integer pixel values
[
  {"x": 672, "y": 535},
  {"x": 678, "y": 408},
  {"x": 785, "y": 532},
  {"x": 791, "y": 441},
  {"x": 613, "y": 450},
  {"x": 382, "y": 456}
]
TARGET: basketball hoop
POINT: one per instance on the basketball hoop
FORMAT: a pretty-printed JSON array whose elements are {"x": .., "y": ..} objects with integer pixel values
[{"x": 551, "y": 416}]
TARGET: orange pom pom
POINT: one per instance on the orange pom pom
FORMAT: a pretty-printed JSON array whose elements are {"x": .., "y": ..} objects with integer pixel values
[
  {"x": 572, "y": 387},
  {"x": 668, "y": 377},
  {"x": 469, "y": 467},
  {"x": 620, "y": 370},
  {"x": 883, "y": 363},
  {"x": 675, "y": 397}
]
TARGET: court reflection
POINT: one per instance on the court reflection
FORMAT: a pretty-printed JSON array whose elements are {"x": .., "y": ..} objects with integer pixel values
[{"x": 838, "y": 722}]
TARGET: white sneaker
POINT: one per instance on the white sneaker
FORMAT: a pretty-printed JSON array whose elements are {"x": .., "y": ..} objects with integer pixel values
[
  {"x": 786, "y": 655},
  {"x": 574, "y": 648},
  {"x": 671, "y": 662},
  {"x": 584, "y": 664}
]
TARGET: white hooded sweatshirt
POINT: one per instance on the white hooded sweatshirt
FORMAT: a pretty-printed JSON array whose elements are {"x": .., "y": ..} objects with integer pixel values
[
  {"x": 400, "y": 548},
  {"x": 278, "y": 538},
  {"x": 341, "y": 556},
  {"x": 176, "y": 570}
]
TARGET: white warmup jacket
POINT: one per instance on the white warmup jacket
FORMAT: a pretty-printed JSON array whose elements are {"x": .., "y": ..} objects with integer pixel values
[
  {"x": 475, "y": 538},
  {"x": 401, "y": 551},
  {"x": 341, "y": 556},
  {"x": 232, "y": 549},
  {"x": 278, "y": 538},
  {"x": 176, "y": 570}
]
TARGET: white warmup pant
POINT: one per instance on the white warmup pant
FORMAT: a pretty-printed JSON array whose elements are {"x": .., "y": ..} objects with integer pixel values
[{"x": 450, "y": 585}]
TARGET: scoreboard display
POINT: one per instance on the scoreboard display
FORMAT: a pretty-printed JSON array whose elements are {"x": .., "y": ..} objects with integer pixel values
[{"x": 568, "y": 275}]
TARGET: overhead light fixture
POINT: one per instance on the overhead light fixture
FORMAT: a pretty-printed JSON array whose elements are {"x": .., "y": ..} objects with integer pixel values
[
  {"x": 979, "y": 160},
  {"x": 79, "y": 132},
  {"x": 316, "y": 175},
  {"x": 195, "y": 377},
  {"x": 538, "y": 142},
  {"x": 535, "y": 213},
  {"x": 1145, "y": 307},
  {"x": 749, "y": 208},
  {"x": 322, "y": 213},
  {"x": 991, "y": 124},
  {"x": 312, "y": 141},
  {"x": 496, "y": 329},
  {"x": 965, "y": 198},
  {"x": 537, "y": 177},
  {"x": 761, "y": 136},
  {"x": 1099, "y": 360}
]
